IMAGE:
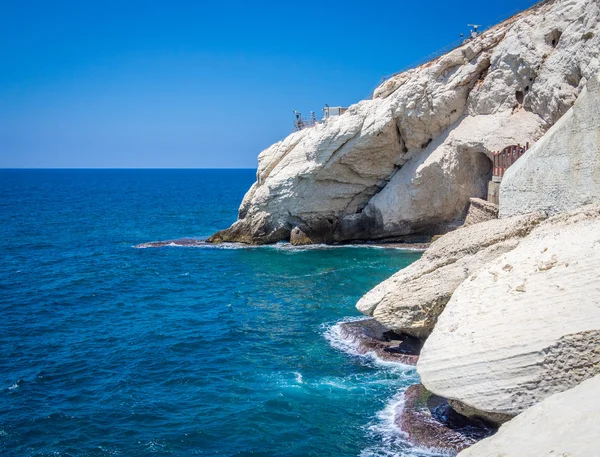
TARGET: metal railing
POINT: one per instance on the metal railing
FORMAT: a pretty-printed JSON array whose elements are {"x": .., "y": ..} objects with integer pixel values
[
  {"x": 301, "y": 124},
  {"x": 508, "y": 156},
  {"x": 329, "y": 112}
]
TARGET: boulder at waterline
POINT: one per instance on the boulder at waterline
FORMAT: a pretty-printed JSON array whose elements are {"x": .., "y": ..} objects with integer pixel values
[
  {"x": 299, "y": 238},
  {"x": 429, "y": 422},
  {"x": 369, "y": 336}
]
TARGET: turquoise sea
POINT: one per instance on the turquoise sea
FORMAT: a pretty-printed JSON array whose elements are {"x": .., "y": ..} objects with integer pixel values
[{"x": 109, "y": 350}]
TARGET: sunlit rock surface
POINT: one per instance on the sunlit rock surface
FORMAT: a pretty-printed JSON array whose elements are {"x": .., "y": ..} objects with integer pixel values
[
  {"x": 408, "y": 160},
  {"x": 562, "y": 171},
  {"x": 563, "y": 425},
  {"x": 524, "y": 326}
]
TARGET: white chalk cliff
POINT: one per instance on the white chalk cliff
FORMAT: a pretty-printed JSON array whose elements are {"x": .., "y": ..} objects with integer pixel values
[
  {"x": 411, "y": 300},
  {"x": 562, "y": 171},
  {"x": 527, "y": 324},
  {"x": 563, "y": 425},
  {"x": 569, "y": 158},
  {"x": 510, "y": 307},
  {"x": 524, "y": 326},
  {"x": 407, "y": 161}
]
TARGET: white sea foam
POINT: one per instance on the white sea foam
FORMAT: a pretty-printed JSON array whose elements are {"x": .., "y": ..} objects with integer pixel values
[
  {"x": 391, "y": 440},
  {"x": 358, "y": 382},
  {"x": 282, "y": 246},
  {"x": 333, "y": 334},
  {"x": 15, "y": 385},
  {"x": 382, "y": 429}
]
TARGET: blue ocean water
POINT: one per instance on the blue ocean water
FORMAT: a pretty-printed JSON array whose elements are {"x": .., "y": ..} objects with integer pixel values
[{"x": 110, "y": 350}]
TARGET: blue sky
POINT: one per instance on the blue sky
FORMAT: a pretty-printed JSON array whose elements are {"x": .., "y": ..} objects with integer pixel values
[{"x": 198, "y": 84}]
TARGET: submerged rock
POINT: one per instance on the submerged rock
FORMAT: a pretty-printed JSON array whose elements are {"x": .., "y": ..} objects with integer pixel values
[
  {"x": 408, "y": 160},
  {"x": 178, "y": 242},
  {"x": 524, "y": 326},
  {"x": 370, "y": 336},
  {"x": 429, "y": 422}
]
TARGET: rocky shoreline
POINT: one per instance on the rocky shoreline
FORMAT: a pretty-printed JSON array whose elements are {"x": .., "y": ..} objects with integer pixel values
[
  {"x": 429, "y": 422},
  {"x": 197, "y": 242},
  {"x": 506, "y": 300}
]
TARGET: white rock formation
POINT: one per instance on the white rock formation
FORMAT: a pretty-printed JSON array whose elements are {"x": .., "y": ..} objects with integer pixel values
[
  {"x": 411, "y": 300},
  {"x": 408, "y": 160},
  {"x": 523, "y": 327},
  {"x": 562, "y": 171},
  {"x": 565, "y": 424}
]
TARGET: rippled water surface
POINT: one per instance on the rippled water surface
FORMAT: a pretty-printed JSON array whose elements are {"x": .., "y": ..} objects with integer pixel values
[{"x": 110, "y": 350}]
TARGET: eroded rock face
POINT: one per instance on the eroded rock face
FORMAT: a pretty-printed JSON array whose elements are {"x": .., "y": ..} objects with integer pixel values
[
  {"x": 408, "y": 160},
  {"x": 411, "y": 300},
  {"x": 431, "y": 193},
  {"x": 562, "y": 171},
  {"x": 565, "y": 424},
  {"x": 525, "y": 325}
]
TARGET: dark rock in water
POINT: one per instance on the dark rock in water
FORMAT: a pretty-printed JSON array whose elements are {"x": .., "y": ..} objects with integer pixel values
[
  {"x": 299, "y": 238},
  {"x": 431, "y": 423},
  {"x": 370, "y": 336},
  {"x": 178, "y": 242}
]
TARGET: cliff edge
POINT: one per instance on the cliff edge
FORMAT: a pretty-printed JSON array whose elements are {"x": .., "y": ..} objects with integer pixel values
[{"x": 407, "y": 161}]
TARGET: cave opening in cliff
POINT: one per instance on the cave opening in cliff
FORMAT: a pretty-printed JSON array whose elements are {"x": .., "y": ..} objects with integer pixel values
[
  {"x": 520, "y": 96},
  {"x": 553, "y": 38}
]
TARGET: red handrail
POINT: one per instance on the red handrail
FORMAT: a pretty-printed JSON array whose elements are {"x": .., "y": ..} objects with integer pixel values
[{"x": 508, "y": 156}]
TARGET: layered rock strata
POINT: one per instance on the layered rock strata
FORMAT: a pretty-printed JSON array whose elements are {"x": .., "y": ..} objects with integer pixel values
[
  {"x": 524, "y": 326},
  {"x": 408, "y": 160},
  {"x": 565, "y": 424}
]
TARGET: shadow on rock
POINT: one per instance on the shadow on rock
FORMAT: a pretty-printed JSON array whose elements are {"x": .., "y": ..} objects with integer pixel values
[{"x": 431, "y": 423}]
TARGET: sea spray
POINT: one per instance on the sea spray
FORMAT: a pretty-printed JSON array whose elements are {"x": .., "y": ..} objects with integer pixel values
[{"x": 389, "y": 440}]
